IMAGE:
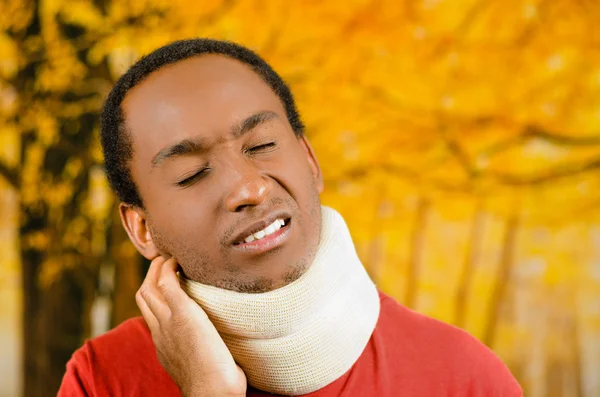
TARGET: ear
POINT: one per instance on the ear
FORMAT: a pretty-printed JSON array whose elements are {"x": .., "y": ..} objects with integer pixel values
[
  {"x": 312, "y": 160},
  {"x": 134, "y": 222}
]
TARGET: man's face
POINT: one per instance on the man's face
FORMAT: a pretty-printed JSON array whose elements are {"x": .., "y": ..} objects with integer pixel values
[{"x": 216, "y": 160}]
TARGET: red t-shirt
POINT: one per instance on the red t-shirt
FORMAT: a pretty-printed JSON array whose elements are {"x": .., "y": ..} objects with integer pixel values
[{"x": 409, "y": 354}]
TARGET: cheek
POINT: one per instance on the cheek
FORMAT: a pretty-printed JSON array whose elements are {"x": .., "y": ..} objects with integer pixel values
[
  {"x": 295, "y": 176},
  {"x": 185, "y": 225},
  {"x": 293, "y": 168}
]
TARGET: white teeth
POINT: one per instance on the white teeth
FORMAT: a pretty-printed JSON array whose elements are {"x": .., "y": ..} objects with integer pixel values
[
  {"x": 276, "y": 225},
  {"x": 272, "y": 228},
  {"x": 269, "y": 229}
]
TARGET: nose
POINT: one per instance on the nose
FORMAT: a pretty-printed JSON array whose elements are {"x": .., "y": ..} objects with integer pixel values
[{"x": 249, "y": 189}]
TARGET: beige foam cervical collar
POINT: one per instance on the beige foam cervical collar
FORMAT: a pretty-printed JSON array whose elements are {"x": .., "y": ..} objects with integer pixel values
[{"x": 301, "y": 337}]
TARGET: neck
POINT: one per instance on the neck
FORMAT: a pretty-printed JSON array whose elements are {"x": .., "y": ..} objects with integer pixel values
[{"x": 303, "y": 336}]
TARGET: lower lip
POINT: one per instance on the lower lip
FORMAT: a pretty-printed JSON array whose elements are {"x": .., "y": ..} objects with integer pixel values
[{"x": 266, "y": 243}]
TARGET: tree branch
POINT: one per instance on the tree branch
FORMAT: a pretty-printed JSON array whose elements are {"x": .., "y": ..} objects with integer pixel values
[
  {"x": 505, "y": 179},
  {"x": 404, "y": 173},
  {"x": 538, "y": 132},
  {"x": 563, "y": 171},
  {"x": 12, "y": 175},
  {"x": 461, "y": 29},
  {"x": 462, "y": 157},
  {"x": 534, "y": 131}
]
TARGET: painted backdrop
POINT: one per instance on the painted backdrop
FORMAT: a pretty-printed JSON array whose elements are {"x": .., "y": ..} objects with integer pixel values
[{"x": 459, "y": 138}]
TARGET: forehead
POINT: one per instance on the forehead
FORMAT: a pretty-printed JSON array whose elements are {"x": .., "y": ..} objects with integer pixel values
[{"x": 202, "y": 95}]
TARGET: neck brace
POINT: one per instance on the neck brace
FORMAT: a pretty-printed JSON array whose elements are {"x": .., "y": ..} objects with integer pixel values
[{"x": 303, "y": 336}]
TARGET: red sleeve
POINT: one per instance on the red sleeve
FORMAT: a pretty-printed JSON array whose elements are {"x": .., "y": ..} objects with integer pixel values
[{"x": 77, "y": 381}]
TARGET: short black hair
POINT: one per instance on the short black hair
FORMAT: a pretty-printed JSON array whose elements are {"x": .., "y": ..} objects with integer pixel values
[{"x": 116, "y": 140}]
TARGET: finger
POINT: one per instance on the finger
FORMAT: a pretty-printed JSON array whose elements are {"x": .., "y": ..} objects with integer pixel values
[
  {"x": 154, "y": 301},
  {"x": 154, "y": 269},
  {"x": 149, "y": 317},
  {"x": 170, "y": 287},
  {"x": 150, "y": 294}
]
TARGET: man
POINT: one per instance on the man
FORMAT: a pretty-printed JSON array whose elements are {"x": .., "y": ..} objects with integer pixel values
[{"x": 254, "y": 288}]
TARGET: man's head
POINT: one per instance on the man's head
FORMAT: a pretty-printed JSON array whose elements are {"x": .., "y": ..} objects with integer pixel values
[{"x": 204, "y": 147}]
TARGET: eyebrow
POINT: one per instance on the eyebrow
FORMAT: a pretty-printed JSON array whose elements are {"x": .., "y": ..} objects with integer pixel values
[
  {"x": 251, "y": 122},
  {"x": 187, "y": 146}
]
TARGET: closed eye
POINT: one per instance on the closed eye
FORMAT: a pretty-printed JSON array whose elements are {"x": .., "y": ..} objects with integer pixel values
[
  {"x": 192, "y": 178},
  {"x": 262, "y": 148}
]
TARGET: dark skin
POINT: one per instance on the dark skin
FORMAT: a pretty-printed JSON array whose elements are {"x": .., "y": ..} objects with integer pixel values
[
  {"x": 239, "y": 163},
  {"x": 213, "y": 155}
]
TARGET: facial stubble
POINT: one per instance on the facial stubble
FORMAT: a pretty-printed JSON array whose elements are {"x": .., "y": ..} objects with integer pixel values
[{"x": 201, "y": 269}]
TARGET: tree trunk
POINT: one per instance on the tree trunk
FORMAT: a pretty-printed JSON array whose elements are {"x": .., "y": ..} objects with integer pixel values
[
  {"x": 576, "y": 375},
  {"x": 471, "y": 258},
  {"x": 501, "y": 284},
  {"x": 376, "y": 255},
  {"x": 52, "y": 318},
  {"x": 63, "y": 329},
  {"x": 537, "y": 364},
  {"x": 32, "y": 346},
  {"x": 416, "y": 252},
  {"x": 56, "y": 311}
]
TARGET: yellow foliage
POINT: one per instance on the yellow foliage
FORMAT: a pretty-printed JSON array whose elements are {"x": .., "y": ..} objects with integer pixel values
[
  {"x": 82, "y": 13},
  {"x": 100, "y": 200},
  {"x": 9, "y": 140},
  {"x": 9, "y": 57},
  {"x": 38, "y": 240}
]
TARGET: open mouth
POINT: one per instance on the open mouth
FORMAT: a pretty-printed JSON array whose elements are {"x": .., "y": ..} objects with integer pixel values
[
  {"x": 264, "y": 240},
  {"x": 270, "y": 231}
]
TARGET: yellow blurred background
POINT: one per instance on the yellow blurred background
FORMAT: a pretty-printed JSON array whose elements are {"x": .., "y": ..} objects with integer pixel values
[{"x": 459, "y": 138}]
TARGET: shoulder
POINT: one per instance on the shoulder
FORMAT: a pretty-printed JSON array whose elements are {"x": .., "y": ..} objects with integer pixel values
[
  {"x": 127, "y": 344},
  {"x": 418, "y": 333},
  {"x": 108, "y": 362},
  {"x": 425, "y": 333},
  {"x": 449, "y": 353},
  {"x": 131, "y": 338}
]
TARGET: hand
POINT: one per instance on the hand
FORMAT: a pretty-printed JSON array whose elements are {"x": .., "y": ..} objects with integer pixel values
[{"x": 187, "y": 344}]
